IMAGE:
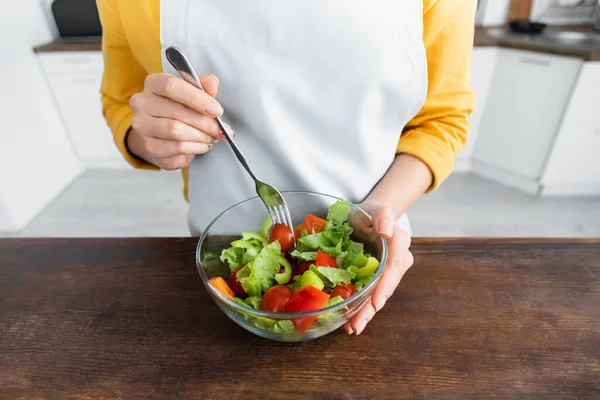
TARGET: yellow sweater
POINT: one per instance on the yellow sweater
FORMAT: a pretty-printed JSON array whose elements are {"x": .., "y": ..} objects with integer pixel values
[{"x": 131, "y": 48}]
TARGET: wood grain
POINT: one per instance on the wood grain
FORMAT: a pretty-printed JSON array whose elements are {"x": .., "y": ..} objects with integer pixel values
[{"x": 130, "y": 319}]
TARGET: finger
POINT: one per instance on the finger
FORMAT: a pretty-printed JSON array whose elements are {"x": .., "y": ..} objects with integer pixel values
[
  {"x": 383, "y": 220},
  {"x": 395, "y": 269},
  {"x": 161, "y": 148},
  {"x": 169, "y": 129},
  {"x": 210, "y": 84},
  {"x": 161, "y": 107},
  {"x": 180, "y": 91},
  {"x": 362, "y": 318}
]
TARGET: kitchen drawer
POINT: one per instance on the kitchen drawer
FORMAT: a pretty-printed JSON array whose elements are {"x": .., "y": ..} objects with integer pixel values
[
  {"x": 78, "y": 98},
  {"x": 574, "y": 158},
  {"x": 68, "y": 63},
  {"x": 585, "y": 100}
]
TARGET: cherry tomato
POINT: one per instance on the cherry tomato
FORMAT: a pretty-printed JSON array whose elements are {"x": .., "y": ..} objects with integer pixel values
[
  {"x": 311, "y": 224},
  {"x": 343, "y": 290},
  {"x": 303, "y": 267},
  {"x": 284, "y": 235},
  {"x": 234, "y": 284},
  {"x": 307, "y": 298},
  {"x": 276, "y": 298},
  {"x": 325, "y": 260}
]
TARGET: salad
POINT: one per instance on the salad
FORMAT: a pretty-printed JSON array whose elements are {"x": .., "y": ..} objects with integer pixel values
[{"x": 314, "y": 266}]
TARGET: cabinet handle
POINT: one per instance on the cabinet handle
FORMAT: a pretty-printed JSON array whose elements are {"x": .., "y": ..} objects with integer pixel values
[
  {"x": 527, "y": 60},
  {"x": 83, "y": 80}
]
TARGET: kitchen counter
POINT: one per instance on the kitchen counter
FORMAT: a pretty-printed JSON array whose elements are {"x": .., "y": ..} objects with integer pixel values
[
  {"x": 482, "y": 39},
  {"x": 130, "y": 318}
]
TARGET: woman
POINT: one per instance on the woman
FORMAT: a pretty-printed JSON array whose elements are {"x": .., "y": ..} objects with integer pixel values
[{"x": 365, "y": 100}]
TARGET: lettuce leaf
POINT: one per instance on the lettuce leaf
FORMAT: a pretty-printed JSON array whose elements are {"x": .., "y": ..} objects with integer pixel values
[
  {"x": 338, "y": 212},
  {"x": 243, "y": 250},
  {"x": 321, "y": 241},
  {"x": 333, "y": 276},
  {"x": 355, "y": 255},
  {"x": 296, "y": 284},
  {"x": 233, "y": 256},
  {"x": 258, "y": 275},
  {"x": 328, "y": 318},
  {"x": 253, "y": 302},
  {"x": 304, "y": 255}
]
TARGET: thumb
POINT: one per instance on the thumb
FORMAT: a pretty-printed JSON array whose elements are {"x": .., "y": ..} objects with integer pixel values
[
  {"x": 210, "y": 84},
  {"x": 383, "y": 221}
]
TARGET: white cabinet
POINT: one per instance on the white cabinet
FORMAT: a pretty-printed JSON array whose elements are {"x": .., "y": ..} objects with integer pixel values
[
  {"x": 75, "y": 79},
  {"x": 482, "y": 70},
  {"x": 526, "y": 101},
  {"x": 36, "y": 159},
  {"x": 573, "y": 167}
]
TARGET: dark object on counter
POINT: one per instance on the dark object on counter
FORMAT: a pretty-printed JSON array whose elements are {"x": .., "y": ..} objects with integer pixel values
[
  {"x": 526, "y": 26},
  {"x": 77, "y": 19}
]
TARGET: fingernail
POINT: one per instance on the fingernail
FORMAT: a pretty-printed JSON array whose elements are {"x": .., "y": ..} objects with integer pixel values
[
  {"x": 210, "y": 146},
  {"x": 380, "y": 303},
  {"x": 361, "y": 326},
  {"x": 349, "y": 330},
  {"x": 386, "y": 227},
  {"x": 214, "y": 109}
]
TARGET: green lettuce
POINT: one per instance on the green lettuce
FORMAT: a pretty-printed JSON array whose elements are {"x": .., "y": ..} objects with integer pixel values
[
  {"x": 355, "y": 255},
  {"x": 304, "y": 255},
  {"x": 283, "y": 326},
  {"x": 321, "y": 241},
  {"x": 233, "y": 256},
  {"x": 296, "y": 284},
  {"x": 243, "y": 250},
  {"x": 328, "y": 318},
  {"x": 253, "y": 302},
  {"x": 333, "y": 276},
  {"x": 258, "y": 275},
  {"x": 338, "y": 212}
]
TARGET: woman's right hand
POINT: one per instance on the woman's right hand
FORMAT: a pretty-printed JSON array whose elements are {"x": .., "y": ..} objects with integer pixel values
[{"x": 173, "y": 120}]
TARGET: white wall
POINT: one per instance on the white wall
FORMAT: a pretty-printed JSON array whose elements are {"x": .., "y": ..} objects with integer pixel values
[
  {"x": 496, "y": 12},
  {"x": 37, "y": 160}
]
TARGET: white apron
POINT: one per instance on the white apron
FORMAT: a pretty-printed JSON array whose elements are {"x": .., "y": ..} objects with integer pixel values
[{"x": 318, "y": 92}]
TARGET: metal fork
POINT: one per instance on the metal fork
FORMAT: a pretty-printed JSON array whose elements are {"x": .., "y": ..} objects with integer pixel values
[{"x": 276, "y": 205}]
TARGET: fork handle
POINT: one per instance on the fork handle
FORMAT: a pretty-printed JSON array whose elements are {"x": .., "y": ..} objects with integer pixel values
[{"x": 180, "y": 62}]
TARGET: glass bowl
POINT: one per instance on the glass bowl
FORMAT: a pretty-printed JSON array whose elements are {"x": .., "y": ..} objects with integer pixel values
[{"x": 248, "y": 215}]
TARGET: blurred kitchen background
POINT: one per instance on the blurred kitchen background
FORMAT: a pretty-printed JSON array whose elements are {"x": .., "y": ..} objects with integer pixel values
[{"x": 61, "y": 175}]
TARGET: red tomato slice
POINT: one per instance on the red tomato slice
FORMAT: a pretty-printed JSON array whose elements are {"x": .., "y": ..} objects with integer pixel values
[
  {"x": 234, "y": 284},
  {"x": 325, "y": 260},
  {"x": 275, "y": 299},
  {"x": 306, "y": 299},
  {"x": 312, "y": 224},
  {"x": 284, "y": 235},
  {"x": 343, "y": 290}
]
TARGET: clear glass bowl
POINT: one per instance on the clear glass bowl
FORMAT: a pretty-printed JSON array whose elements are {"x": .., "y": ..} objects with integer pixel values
[{"x": 248, "y": 216}]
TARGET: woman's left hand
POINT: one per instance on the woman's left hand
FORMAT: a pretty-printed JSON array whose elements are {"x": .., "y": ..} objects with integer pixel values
[{"x": 400, "y": 259}]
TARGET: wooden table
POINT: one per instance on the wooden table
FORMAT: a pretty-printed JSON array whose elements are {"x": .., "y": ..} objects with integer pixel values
[{"x": 130, "y": 319}]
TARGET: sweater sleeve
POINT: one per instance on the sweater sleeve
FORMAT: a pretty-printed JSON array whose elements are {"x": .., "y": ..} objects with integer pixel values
[
  {"x": 439, "y": 131},
  {"x": 123, "y": 77}
]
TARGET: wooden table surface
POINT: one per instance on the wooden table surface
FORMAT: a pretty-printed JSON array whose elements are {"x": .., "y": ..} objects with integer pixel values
[{"x": 130, "y": 319}]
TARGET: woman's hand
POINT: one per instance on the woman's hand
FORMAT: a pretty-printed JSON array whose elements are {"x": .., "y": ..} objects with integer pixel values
[
  {"x": 400, "y": 259},
  {"x": 173, "y": 120}
]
